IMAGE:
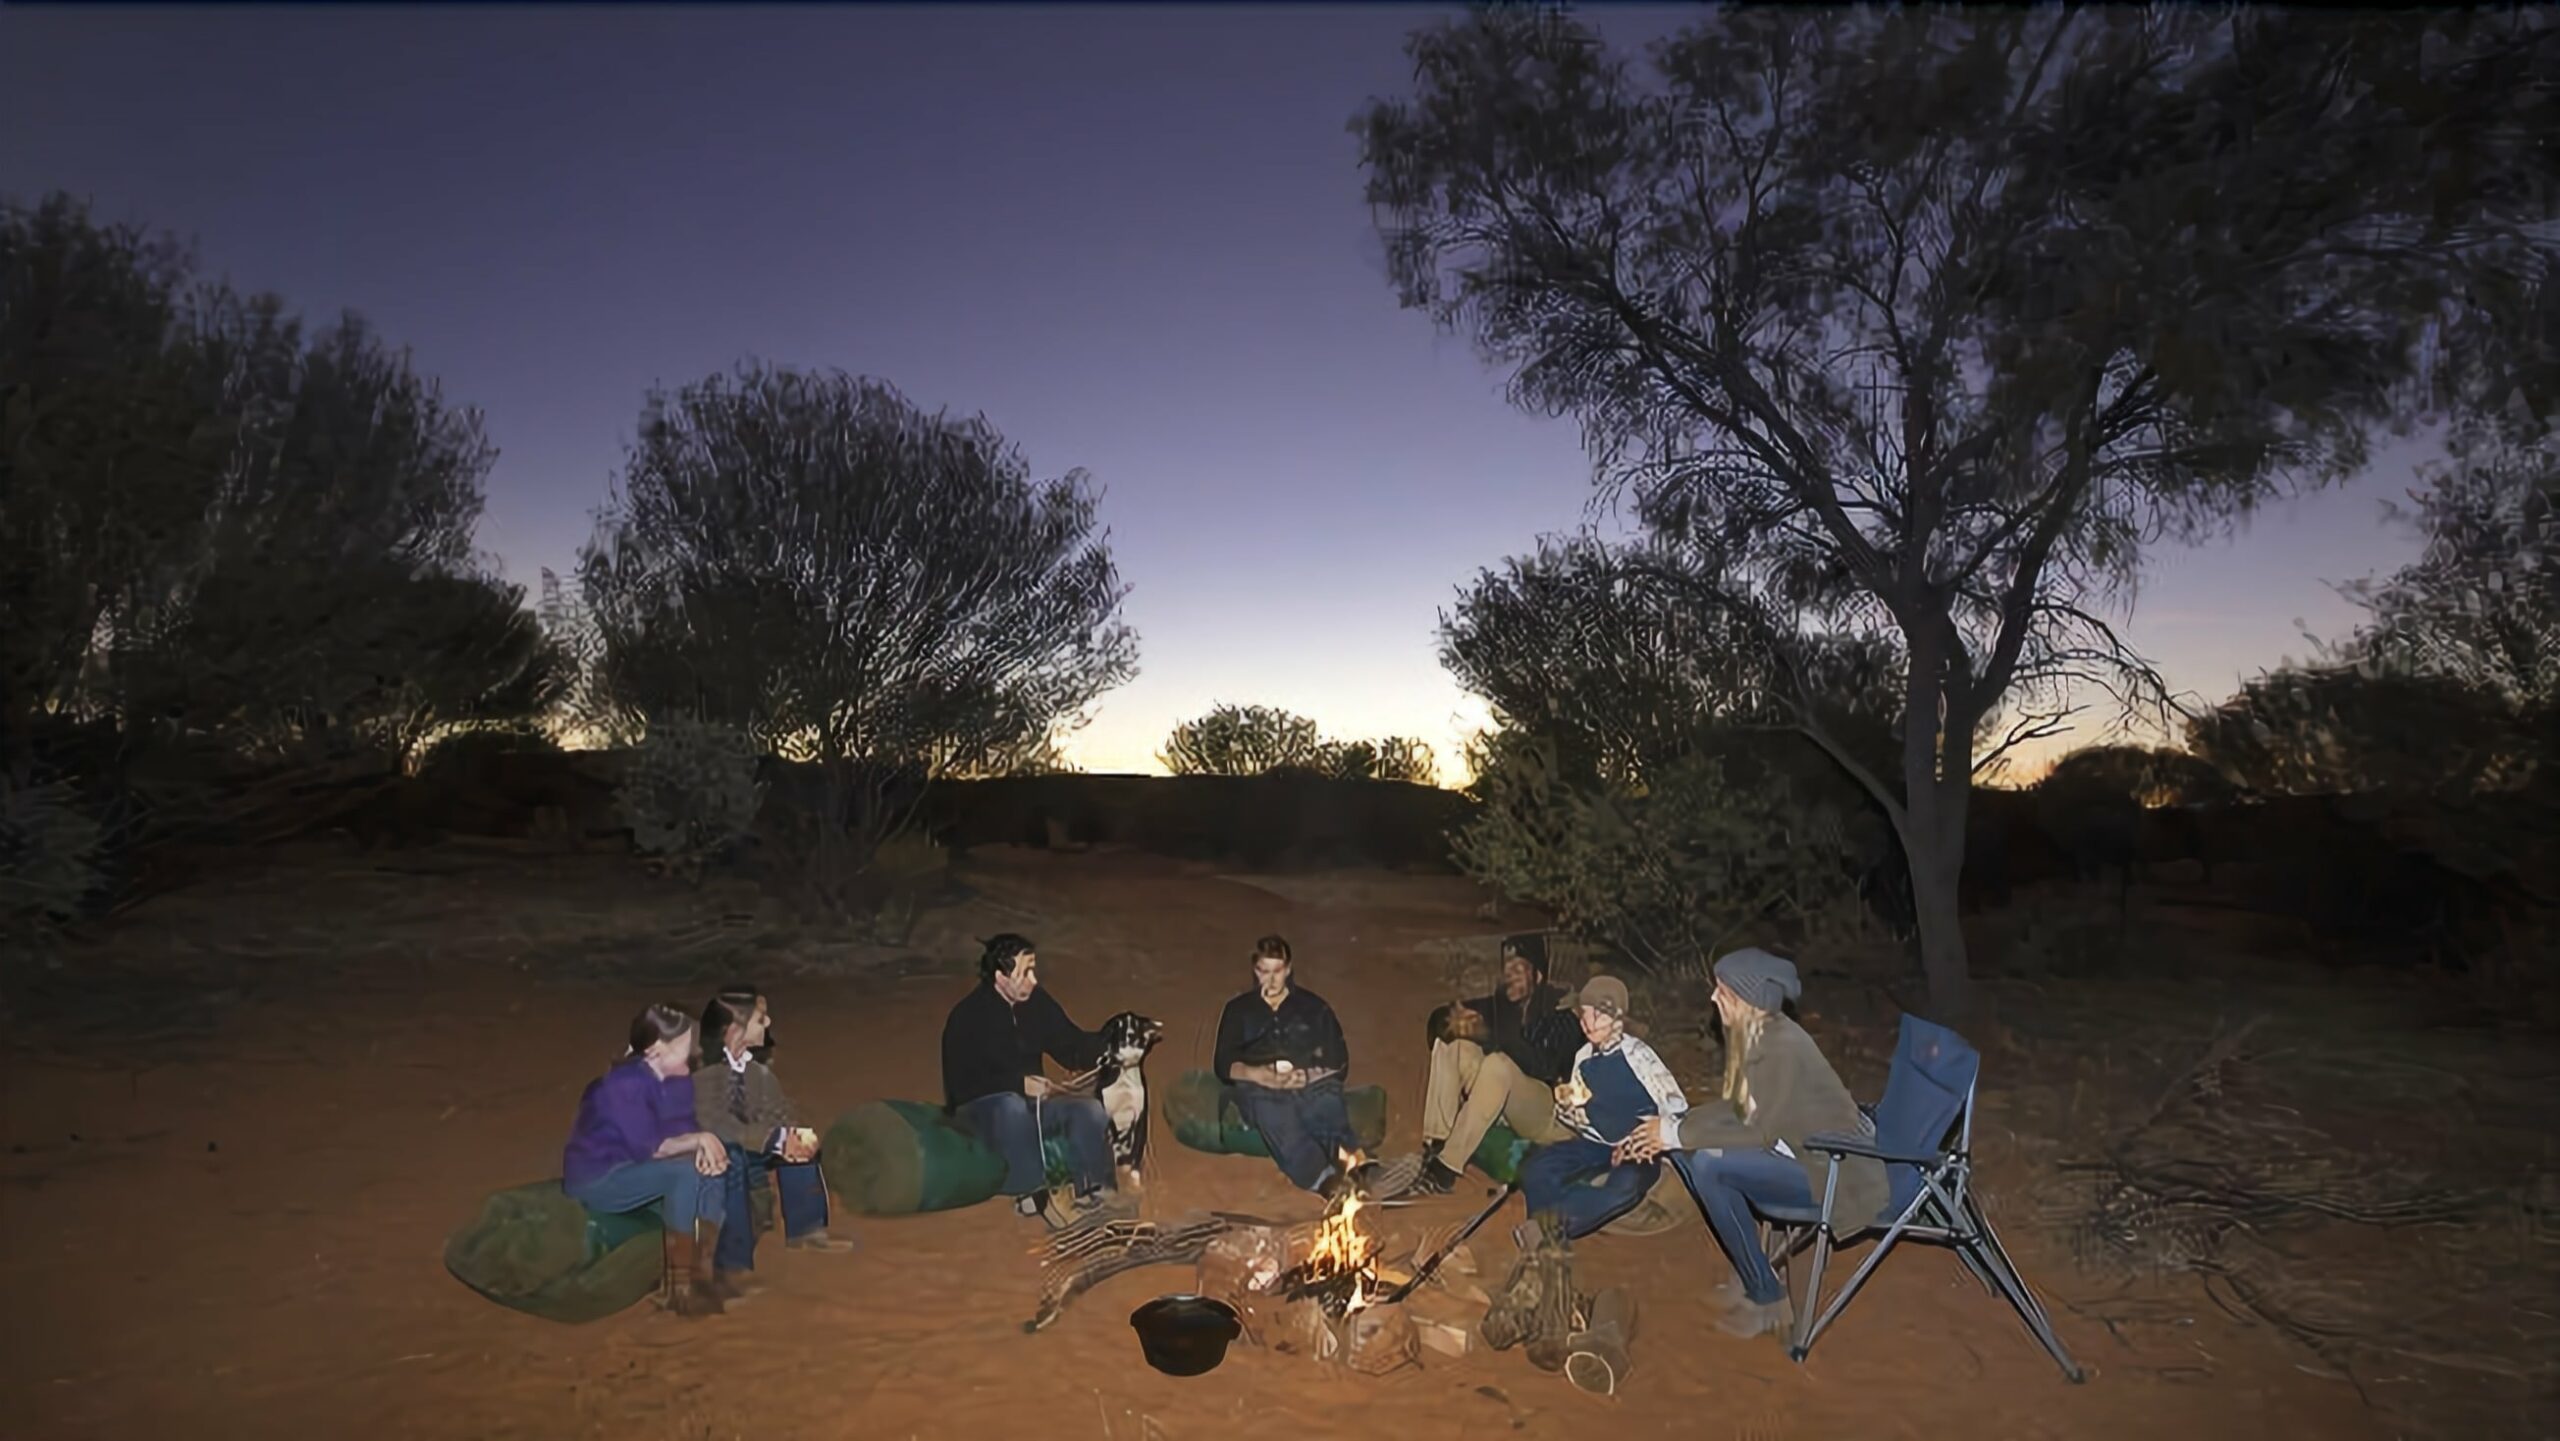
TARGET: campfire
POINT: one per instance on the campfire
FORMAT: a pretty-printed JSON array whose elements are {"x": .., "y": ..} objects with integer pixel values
[{"x": 1340, "y": 1272}]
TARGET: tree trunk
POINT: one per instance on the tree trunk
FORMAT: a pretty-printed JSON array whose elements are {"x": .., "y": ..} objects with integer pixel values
[{"x": 1934, "y": 841}]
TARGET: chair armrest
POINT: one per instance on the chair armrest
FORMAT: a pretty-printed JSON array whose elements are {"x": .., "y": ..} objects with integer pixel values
[{"x": 1841, "y": 1143}]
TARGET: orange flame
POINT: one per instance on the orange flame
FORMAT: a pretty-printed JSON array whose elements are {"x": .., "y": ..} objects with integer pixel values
[{"x": 1341, "y": 1247}]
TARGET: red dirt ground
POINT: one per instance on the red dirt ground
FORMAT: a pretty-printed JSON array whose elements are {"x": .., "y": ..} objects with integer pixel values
[{"x": 244, "y": 1237}]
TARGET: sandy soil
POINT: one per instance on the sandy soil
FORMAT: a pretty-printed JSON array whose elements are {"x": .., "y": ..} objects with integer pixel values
[{"x": 232, "y": 1225}]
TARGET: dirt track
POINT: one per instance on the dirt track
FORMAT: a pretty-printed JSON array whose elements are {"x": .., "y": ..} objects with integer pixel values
[{"x": 238, "y": 1232}]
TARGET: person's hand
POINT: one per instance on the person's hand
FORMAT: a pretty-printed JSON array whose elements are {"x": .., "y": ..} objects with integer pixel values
[
  {"x": 797, "y": 1151},
  {"x": 710, "y": 1157},
  {"x": 1036, "y": 1087},
  {"x": 1645, "y": 1145}
]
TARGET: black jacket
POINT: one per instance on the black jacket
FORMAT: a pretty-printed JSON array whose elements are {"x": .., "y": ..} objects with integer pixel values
[
  {"x": 1302, "y": 1032},
  {"x": 1539, "y": 1038},
  {"x": 990, "y": 1044}
]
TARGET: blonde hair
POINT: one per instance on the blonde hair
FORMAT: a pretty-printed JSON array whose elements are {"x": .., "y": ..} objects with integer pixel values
[{"x": 1741, "y": 1038}]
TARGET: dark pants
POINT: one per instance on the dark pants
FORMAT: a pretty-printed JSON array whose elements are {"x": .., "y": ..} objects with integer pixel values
[
  {"x": 800, "y": 1192},
  {"x": 1014, "y": 1128},
  {"x": 1726, "y": 1184},
  {"x": 1305, "y": 1129},
  {"x": 1554, "y": 1179}
]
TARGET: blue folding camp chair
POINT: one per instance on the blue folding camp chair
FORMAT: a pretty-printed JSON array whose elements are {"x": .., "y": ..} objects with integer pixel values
[{"x": 1924, "y": 1137}]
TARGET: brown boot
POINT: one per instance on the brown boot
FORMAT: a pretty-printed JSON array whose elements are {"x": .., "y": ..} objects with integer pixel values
[{"x": 688, "y": 1273}]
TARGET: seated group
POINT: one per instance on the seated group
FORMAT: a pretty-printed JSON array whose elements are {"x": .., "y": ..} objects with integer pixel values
[{"x": 1562, "y": 1071}]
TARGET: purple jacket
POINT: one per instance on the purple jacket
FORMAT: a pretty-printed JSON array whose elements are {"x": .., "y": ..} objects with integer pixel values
[{"x": 622, "y": 1117}]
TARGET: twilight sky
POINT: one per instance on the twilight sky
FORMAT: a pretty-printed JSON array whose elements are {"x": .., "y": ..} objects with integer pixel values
[{"x": 1132, "y": 238}]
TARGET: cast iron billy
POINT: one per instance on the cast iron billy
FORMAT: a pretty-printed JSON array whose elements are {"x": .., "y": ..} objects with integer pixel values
[{"x": 1185, "y": 1335}]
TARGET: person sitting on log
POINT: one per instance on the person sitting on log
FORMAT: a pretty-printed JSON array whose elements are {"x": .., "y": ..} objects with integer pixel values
[
  {"x": 991, "y": 1080},
  {"x": 1779, "y": 1090},
  {"x": 636, "y": 1143},
  {"x": 737, "y": 1099},
  {"x": 1281, "y": 1054},
  {"x": 1617, "y": 1088},
  {"x": 1496, "y": 1058}
]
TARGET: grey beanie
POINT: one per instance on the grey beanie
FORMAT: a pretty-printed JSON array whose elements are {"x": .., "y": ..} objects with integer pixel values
[{"x": 1764, "y": 980}]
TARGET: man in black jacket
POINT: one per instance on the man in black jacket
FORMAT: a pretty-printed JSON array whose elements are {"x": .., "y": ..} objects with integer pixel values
[
  {"x": 1281, "y": 1053},
  {"x": 991, "y": 1078},
  {"x": 1496, "y": 1057}
]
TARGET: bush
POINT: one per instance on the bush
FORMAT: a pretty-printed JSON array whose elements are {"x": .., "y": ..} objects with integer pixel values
[
  {"x": 457, "y": 754},
  {"x": 1673, "y": 871},
  {"x": 48, "y": 859},
  {"x": 689, "y": 790}
]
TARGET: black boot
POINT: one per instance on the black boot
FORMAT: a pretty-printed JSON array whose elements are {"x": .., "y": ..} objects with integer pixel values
[{"x": 1436, "y": 1178}]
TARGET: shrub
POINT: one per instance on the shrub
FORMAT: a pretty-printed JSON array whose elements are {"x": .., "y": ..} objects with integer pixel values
[
  {"x": 1673, "y": 870},
  {"x": 48, "y": 859},
  {"x": 689, "y": 790}
]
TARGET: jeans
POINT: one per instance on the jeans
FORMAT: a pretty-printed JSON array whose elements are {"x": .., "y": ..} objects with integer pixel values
[
  {"x": 1553, "y": 1177},
  {"x": 1305, "y": 1130},
  {"x": 1726, "y": 1183},
  {"x": 682, "y": 1194},
  {"x": 800, "y": 1194},
  {"x": 1014, "y": 1129}
]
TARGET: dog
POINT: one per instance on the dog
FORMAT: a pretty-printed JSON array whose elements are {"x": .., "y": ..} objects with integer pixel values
[{"x": 1121, "y": 1082}]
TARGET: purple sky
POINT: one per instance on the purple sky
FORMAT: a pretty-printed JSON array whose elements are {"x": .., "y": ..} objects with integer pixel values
[{"x": 1132, "y": 238}]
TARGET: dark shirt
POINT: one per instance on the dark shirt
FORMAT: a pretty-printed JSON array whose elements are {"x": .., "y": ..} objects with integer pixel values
[
  {"x": 1302, "y": 1032},
  {"x": 990, "y": 1044},
  {"x": 1539, "y": 1038}
]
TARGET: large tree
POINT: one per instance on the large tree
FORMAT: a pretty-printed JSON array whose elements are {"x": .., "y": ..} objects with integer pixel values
[
  {"x": 216, "y": 525},
  {"x": 850, "y": 580},
  {"x": 1921, "y": 323}
]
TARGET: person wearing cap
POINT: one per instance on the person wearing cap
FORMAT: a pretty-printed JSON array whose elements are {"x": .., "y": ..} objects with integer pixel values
[
  {"x": 1617, "y": 1089},
  {"x": 1496, "y": 1058},
  {"x": 1778, "y": 1090}
]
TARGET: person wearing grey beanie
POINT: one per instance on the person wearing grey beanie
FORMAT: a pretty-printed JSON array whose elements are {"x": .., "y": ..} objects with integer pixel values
[{"x": 1778, "y": 1090}]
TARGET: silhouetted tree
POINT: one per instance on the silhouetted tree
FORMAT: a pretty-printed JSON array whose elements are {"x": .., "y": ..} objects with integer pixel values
[
  {"x": 1923, "y": 322},
  {"x": 1243, "y": 740},
  {"x": 111, "y": 437},
  {"x": 217, "y": 526},
  {"x": 849, "y": 580},
  {"x": 2144, "y": 775}
]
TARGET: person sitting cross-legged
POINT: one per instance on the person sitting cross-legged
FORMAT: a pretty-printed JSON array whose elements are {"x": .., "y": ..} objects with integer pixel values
[
  {"x": 1778, "y": 1091},
  {"x": 991, "y": 1080},
  {"x": 737, "y": 1098},
  {"x": 1281, "y": 1052},
  {"x": 1617, "y": 1089},
  {"x": 1496, "y": 1058}
]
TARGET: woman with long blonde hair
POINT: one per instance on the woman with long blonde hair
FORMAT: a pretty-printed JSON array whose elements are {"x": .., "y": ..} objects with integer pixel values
[{"x": 1778, "y": 1090}]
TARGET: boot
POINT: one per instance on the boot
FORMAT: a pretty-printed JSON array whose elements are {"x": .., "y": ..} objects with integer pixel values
[
  {"x": 1436, "y": 1178},
  {"x": 1596, "y": 1355},
  {"x": 711, "y": 1278},
  {"x": 1755, "y": 1318},
  {"x": 686, "y": 1263}
]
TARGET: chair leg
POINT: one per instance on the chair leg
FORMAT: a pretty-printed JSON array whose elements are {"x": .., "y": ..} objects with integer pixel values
[
  {"x": 2013, "y": 1287},
  {"x": 1801, "y": 1343},
  {"x": 1893, "y": 1234}
]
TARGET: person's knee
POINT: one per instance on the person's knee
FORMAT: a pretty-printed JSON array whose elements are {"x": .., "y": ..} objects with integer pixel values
[{"x": 1498, "y": 1072}]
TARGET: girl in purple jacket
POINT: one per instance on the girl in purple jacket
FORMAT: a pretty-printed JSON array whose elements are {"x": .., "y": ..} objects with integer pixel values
[{"x": 635, "y": 1144}]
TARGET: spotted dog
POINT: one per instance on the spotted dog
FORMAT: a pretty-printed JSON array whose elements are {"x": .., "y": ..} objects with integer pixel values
[{"x": 1121, "y": 1082}]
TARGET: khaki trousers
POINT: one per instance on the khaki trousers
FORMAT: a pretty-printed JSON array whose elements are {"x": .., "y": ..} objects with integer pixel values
[{"x": 1471, "y": 1090}]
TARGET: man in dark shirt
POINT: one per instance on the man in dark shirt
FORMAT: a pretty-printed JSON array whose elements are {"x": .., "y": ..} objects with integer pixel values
[
  {"x": 1281, "y": 1053},
  {"x": 1496, "y": 1057},
  {"x": 991, "y": 1078}
]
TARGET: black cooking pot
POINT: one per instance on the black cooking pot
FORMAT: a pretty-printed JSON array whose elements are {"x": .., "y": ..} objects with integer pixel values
[{"x": 1185, "y": 1335}]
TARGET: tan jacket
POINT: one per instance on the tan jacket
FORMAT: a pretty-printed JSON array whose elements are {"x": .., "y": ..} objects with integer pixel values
[
  {"x": 1795, "y": 1094},
  {"x": 768, "y": 1109}
]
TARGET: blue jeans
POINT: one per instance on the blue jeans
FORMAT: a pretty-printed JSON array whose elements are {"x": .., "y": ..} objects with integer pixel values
[
  {"x": 1553, "y": 1180},
  {"x": 682, "y": 1194},
  {"x": 1013, "y": 1128},
  {"x": 1726, "y": 1184},
  {"x": 801, "y": 1194},
  {"x": 1305, "y": 1130}
]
